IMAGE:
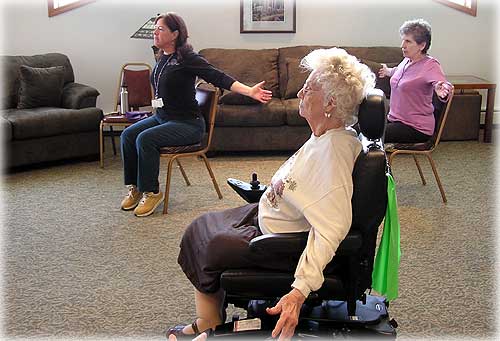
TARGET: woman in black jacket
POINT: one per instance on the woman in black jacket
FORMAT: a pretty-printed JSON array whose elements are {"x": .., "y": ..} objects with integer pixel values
[{"x": 177, "y": 120}]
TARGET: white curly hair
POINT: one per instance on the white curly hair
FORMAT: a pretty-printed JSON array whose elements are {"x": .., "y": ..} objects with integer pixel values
[{"x": 343, "y": 77}]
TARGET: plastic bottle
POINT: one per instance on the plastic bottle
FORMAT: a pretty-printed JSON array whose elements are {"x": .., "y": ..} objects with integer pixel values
[{"x": 123, "y": 99}]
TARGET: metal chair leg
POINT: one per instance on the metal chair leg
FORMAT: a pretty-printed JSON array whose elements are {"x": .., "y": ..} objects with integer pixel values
[
  {"x": 419, "y": 170},
  {"x": 214, "y": 181},
  {"x": 101, "y": 146},
  {"x": 112, "y": 139},
  {"x": 438, "y": 180},
  {"x": 167, "y": 185},
  {"x": 183, "y": 172}
]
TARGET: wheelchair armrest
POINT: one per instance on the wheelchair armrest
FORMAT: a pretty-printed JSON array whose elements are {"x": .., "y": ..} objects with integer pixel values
[
  {"x": 280, "y": 243},
  {"x": 294, "y": 243}
]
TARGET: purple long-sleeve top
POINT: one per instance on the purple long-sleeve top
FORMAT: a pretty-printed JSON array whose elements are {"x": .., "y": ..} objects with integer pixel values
[{"x": 412, "y": 87}]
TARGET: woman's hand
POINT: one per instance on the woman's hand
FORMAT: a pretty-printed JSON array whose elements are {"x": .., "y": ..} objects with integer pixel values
[
  {"x": 257, "y": 91},
  {"x": 384, "y": 71},
  {"x": 443, "y": 89},
  {"x": 289, "y": 309}
]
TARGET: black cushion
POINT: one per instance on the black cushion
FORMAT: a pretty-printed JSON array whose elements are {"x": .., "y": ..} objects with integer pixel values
[
  {"x": 372, "y": 115},
  {"x": 40, "y": 87},
  {"x": 186, "y": 149}
]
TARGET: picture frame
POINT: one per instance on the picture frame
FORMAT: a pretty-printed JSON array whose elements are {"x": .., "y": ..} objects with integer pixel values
[{"x": 267, "y": 16}]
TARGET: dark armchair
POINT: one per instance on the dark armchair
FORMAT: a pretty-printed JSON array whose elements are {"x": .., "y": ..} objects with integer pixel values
[{"x": 45, "y": 115}]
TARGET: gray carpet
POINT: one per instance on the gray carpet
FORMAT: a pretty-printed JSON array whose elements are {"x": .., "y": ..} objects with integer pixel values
[{"x": 76, "y": 266}]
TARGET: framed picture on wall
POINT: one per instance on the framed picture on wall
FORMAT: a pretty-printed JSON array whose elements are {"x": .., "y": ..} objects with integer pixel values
[{"x": 267, "y": 16}]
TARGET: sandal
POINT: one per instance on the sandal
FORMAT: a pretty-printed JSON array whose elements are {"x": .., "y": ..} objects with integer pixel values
[{"x": 177, "y": 331}]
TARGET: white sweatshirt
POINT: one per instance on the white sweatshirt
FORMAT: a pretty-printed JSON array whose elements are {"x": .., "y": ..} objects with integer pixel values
[{"x": 312, "y": 192}]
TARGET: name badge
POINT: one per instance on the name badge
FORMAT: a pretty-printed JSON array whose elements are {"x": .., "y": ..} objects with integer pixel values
[{"x": 157, "y": 103}]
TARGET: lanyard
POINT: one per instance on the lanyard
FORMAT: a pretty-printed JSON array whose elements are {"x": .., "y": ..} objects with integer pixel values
[{"x": 156, "y": 77}]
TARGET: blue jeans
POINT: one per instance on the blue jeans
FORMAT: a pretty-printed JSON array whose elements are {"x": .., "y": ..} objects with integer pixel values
[{"x": 141, "y": 143}]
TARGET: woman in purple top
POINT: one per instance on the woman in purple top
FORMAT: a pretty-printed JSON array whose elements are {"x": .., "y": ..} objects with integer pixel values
[{"x": 413, "y": 83}]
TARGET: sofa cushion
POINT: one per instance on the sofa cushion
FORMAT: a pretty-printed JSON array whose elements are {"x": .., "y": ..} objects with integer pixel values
[
  {"x": 40, "y": 87},
  {"x": 296, "y": 77},
  {"x": 11, "y": 65},
  {"x": 259, "y": 115},
  {"x": 41, "y": 122},
  {"x": 247, "y": 66},
  {"x": 234, "y": 98},
  {"x": 381, "y": 54},
  {"x": 293, "y": 52},
  {"x": 292, "y": 113}
]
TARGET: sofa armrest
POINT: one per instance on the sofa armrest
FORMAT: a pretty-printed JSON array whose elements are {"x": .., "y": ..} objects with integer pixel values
[
  {"x": 5, "y": 128},
  {"x": 78, "y": 96}
]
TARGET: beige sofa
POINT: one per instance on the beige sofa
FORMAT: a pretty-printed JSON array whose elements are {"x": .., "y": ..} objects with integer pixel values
[{"x": 245, "y": 125}]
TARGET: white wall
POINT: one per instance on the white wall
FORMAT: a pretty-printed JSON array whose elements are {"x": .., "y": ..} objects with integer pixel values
[{"x": 96, "y": 37}]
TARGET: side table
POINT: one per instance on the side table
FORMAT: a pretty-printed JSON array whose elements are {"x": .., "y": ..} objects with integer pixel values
[{"x": 472, "y": 82}]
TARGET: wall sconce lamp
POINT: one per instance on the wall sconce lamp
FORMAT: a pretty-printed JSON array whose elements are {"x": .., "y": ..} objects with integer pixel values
[{"x": 146, "y": 32}]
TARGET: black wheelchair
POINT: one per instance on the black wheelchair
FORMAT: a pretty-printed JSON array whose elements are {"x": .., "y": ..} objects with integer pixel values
[{"x": 343, "y": 307}]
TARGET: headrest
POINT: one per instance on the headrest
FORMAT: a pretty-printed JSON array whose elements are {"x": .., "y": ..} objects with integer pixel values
[{"x": 372, "y": 115}]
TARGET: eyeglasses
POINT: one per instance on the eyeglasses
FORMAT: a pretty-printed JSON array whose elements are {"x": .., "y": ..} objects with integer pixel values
[{"x": 159, "y": 28}]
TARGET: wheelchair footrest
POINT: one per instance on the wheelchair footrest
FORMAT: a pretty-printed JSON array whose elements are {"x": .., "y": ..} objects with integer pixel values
[
  {"x": 371, "y": 318},
  {"x": 336, "y": 311}
]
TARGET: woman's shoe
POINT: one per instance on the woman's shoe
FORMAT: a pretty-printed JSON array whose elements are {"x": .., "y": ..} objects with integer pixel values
[
  {"x": 178, "y": 331},
  {"x": 132, "y": 199},
  {"x": 148, "y": 204}
]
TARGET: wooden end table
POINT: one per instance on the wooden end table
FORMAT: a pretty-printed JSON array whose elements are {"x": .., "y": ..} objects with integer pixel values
[{"x": 462, "y": 82}]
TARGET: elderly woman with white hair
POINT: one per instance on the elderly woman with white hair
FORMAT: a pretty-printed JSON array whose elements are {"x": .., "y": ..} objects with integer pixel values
[{"x": 311, "y": 192}]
